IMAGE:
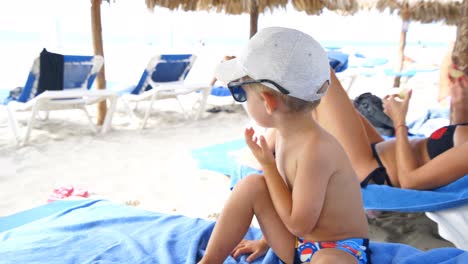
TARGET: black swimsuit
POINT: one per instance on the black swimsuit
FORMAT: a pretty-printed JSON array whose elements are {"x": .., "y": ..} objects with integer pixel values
[
  {"x": 379, "y": 175},
  {"x": 440, "y": 141}
]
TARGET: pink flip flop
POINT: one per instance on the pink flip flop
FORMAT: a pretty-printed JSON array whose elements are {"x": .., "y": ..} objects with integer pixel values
[
  {"x": 64, "y": 192},
  {"x": 60, "y": 193}
]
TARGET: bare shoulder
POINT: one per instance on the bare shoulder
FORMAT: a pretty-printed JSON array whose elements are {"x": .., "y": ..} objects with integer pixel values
[
  {"x": 324, "y": 145},
  {"x": 324, "y": 150}
]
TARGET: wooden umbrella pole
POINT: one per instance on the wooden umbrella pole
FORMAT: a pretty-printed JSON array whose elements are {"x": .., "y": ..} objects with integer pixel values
[
  {"x": 98, "y": 50},
  {"x": 405, "y": 17},
  {"x": 253, "y": 17}
]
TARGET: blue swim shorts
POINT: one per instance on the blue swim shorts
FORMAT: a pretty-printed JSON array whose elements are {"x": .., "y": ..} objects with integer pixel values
[{"x": 357, "y": 247}]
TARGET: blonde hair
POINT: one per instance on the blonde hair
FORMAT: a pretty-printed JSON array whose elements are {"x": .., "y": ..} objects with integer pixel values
[{"x": 294, "y": 104}]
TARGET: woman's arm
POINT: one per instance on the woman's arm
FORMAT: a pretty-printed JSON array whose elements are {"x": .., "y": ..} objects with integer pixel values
[
  {"x": 225, "y": 58},
  {"x": 397, "y": 108},
  {"x": 405, "y": 159},
  {"x": 442, "y": 170},
  {"x": 450, "y": 165}
]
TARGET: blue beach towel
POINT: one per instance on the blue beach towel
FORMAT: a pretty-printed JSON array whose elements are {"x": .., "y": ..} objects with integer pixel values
[
  {"x": 216, "y": 157},
  {"x": 386, "y": 198},
  {"x": 98, "y": 231}
]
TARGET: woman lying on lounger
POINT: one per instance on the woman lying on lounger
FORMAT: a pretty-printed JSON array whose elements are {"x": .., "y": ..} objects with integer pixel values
[
  {"x": 411, "y": 163},
  {"x": 417, "y": 163}
]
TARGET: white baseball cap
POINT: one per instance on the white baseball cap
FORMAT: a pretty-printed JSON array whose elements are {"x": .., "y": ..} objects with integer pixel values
[{"x": 286, "y": 56}]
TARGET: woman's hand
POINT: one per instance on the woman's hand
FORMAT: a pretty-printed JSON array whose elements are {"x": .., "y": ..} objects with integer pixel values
[
  {"x": 261, "y": 151},
  {"x": 459, "y": 100},
  {"x": 397, "y": 108},
  {"x": 459, "y": 91},
  {"x": 257, "y": 248}
]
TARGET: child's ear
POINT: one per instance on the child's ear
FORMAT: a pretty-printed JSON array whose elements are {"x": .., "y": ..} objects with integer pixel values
[{"x": 270, "y": 101}]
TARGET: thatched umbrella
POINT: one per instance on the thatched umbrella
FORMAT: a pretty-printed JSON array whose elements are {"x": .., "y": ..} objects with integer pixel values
[
  {"x": 254, "y": 7},
  {"x": 344, "y": 7},
  {"x": 98, "y": 50},
  {"x": 425, "y": 11}
]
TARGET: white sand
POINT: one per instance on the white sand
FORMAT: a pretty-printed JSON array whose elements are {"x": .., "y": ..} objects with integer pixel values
[{"x": 155, "y": 167}]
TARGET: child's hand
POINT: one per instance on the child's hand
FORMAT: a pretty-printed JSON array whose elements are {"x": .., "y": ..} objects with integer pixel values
[
  {"x": 257, "y": 248},
  {"x": 260, "y": 150},
  {"x": 397, "y": 108}
]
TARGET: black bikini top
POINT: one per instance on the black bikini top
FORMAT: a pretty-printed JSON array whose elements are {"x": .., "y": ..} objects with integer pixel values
[{"x": 441, "y": 140}]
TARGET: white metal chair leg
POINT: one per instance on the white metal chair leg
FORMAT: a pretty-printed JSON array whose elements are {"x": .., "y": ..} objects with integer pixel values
[
  {"x": 109, "y": 114},
  {"x": 90, "y": 121},
  {"x": 130, "y": 113},
  {"x": 206, "y": 93},
  {"x": 136, "y": 107},
  {"x": 44, "y": 118},
  {"x": 13, "y": 124},
  {"x": 148, "y": 110},
  {"x": 182, "y": 107},
  {"x": 31, "y": 121}
]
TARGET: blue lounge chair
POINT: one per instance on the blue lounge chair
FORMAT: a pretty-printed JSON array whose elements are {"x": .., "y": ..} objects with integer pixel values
[
  {"x": 362, "y": 66},
  {"x": 164, "y": 78},
  {"x": 338, "y": 60},
  {"x": 66, "y": 87}
]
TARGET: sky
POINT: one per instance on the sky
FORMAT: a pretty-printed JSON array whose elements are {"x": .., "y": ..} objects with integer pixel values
[{"x": 131, "y": 32}]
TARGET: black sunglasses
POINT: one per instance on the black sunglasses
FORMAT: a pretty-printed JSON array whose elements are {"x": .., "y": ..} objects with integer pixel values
[{"x": 238, "y": 93}]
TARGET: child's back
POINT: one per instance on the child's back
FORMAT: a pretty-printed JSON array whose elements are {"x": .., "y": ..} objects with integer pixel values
[{"x": 330, "y": 184}]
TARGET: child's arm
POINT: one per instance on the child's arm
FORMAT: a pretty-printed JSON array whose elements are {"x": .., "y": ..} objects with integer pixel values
[
  {"x": 299, "y": 210},
  {"x": 313, "y": 173}
]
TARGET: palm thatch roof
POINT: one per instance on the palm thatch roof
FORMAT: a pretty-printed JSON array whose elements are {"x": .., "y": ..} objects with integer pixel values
[
  {"x": 229, "y": 7},
  {"x": 425, "y": 11},
  {"x": 255, "y": 7},
  {"x": 236, "y": 7},
  {"x": 315, "y": 7}
]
